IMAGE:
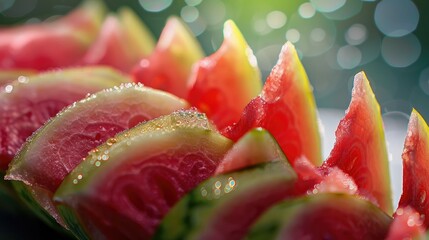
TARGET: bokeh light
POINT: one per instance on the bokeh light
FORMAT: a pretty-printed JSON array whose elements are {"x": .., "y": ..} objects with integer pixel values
[
  {"x": 349, "y": 57},
  {"x": 328, "y": 5},
  {"x": 276, "y": 19},
  {"x": 401, "y": 52},
  {"x": 155, "y": 5},
  {"x": 396, "y": 18}
]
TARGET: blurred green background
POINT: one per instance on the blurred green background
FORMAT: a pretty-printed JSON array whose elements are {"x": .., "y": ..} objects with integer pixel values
[
  {"x": 388, "y": 39},
  {"x": 335, "y": 38}
]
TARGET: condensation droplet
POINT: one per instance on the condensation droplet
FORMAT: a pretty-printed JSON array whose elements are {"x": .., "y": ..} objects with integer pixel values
[
  {"x": 79, "y": 176},
  {"x": 97, "y": 163},
  {"x": 8, "y": 88}
]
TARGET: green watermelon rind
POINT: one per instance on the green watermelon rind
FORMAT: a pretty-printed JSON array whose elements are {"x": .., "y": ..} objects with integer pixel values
[
  {"x": 191, "y": 217},
  {"x": 278, "y": 218},
  {"x": 191, "y": 127}
]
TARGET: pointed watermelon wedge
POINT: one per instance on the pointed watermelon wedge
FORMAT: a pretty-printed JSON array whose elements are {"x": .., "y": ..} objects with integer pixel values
[
  {"x": 223, "y": 83},
  {"x": 49, "y": 45},
  {"x": 360, "y": 147},
  {"x": 322, "y": 216},
  {"x": 169, "y": 66},
  {"x": 256, "y": 147},
  {"x": 225, "y": 206},
  {"x": 416, "y": 167},
  {"x": 27, "y": 103},
  {"x": 122, "y": 42},
  {"x": 125, "y": 187},
  {"x": 8, "y": 76},
  {"x": 407, "y": 224},
  {"x": 286, "y": 108},
  {"x": 59, "y": 146}
]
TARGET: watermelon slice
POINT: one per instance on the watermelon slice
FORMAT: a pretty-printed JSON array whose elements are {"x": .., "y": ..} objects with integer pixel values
[
  {"x": 169, "y": 66},
  {"x": 407, "y": 224},
  {"x": 223, "y": 83},
  {"x": 322, "y": 216},
  {"x": 124, "y": 188},
  {"x": 256, "y": 147},
  {"x": 49, "y": 45},
  {"x": 225, "y": 206},
  {"x": 122, "y": 42},
  {"x": 416, "y": 167},
  {"x": 8, "y": 76},
  {"x": 27, "y": 103},
  {"x": 286, "y": 108},
  {"x": 360, "y": 147},
  {"x": 59, "y": 146}
]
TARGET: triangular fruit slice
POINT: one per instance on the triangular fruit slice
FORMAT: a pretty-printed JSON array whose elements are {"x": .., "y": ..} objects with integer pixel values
[
  {"x": 256, "y": 147},
  {"x": 223, "y": 83},
  {"x": 61, "y": 144},
  {"x": 322, "y": 216},
  {"x": 49, "y": 45},
  {"x": 125, "y": 187},
  {"x": 407, "y": 224},
  {"x": 168, "y": 68},
  {"x": 8, "y": 76},
  {"x": 122, "y": 42},
  {"x": 225, "y": 206},
  {"x": 360, "y": 147},
  {"x": 286, "y": 108},
  {"x": 416, "y": 167},
  {"x": 27, "y": 103}
]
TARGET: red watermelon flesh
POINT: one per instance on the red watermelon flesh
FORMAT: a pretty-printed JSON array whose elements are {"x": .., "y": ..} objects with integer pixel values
[
  {"x": 168, "y": 68},
  {"x": 407, "y": 224},
  {"x": 122, "y": 41},
  {"x": 61, "y": 144},
  {"x": 149, "y": 168},
  {"x": 27, "y": 103},
  {"x": 360, "y": 147},
  {"x": 286, "y": 108},
  {"x": 415, "y": 167},
  {"x": 49, "y": 45},
  {"x": 322, "y": 216},
  {"x": 223, "y": 83}
]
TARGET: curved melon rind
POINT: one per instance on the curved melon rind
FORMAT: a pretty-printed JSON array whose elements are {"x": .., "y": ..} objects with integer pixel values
[
  {"x": 181, "y": 132},
  {"x": 322, "y": 216},
  {"x": 286, "y": 108},
  {"x": 415, "y": 159},
  {"x": 360, "y": 147},
  {"x": 30, "y": 101}
]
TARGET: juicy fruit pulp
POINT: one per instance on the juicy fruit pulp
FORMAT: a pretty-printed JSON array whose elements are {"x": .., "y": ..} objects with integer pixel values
[
  {"x": 360, "y": 147},
  {"x": 59, "y": 146},
  {"x": 322, "y": 216},
  {"x": 407, "y": 224},
  {"x": 286, "y": 108},
  {"x": 122, "y": 41},
  {"x": 223, "y": 83},
  {"x": 29, "y": 46},
  {"x": 28, "y": 103},
  {"x": 169, "y": 66},
  {"x": 225, "y": 206},
  {"x": 415, "y": 167},
  {"x": 148, "y": 169}
]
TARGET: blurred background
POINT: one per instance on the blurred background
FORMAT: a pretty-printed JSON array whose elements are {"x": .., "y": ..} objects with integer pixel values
[{"x": 387, "y": 39}]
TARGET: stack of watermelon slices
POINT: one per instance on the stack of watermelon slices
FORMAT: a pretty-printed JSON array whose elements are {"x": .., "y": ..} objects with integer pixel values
[{"x": 200, "y": 151}]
